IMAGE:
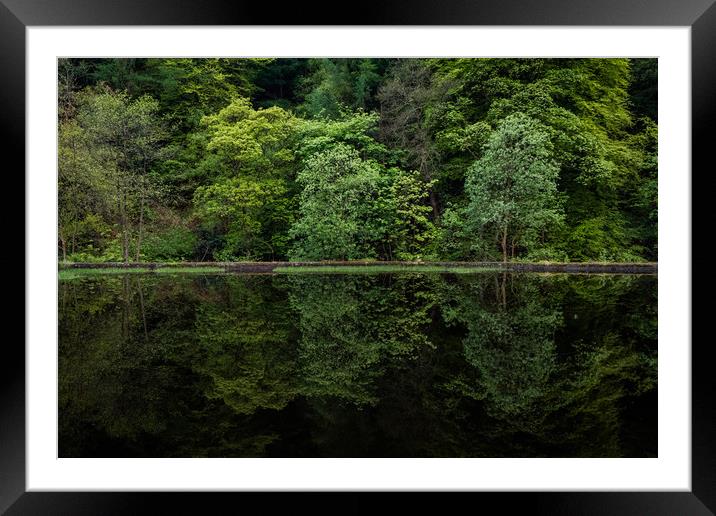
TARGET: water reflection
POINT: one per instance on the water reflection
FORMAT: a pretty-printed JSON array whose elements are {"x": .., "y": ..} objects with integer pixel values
[{"x": 408, "y": 364}]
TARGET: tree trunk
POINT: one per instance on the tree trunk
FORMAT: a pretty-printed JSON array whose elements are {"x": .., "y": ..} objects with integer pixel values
[
  {"x": 141, "y": 306},
  {"x": 125, "y": 234},
  {"x": 74, "y": 239},
  {"x": 512, "y": 256},
  {"x": 504, "y": 290},
  {"x": 504, "y": 245},
  {"x": 64, "y": 247},
  {"x": 424, "y": 167},
  {"x": 125, "y": 311},
  {"x": 434, "y": 204},
  {"x": 139, "y": 233}
]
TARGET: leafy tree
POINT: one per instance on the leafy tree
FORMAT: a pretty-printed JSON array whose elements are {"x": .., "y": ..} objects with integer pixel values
[
  {"x": 126, "y": 136},
  {"x": 412, "y": 233},
  {"x": 240, "y": 208},
  {"x": 406, "y": 99},
  {"x": 243, "y": 141},
  {"x": 188, "y": 89},
  {"x": 334, "y": 86},
  {"x": 278, "y": 81},
  {"x": 336, "y": 207},
  {"x": 357, "y": 130},
  {"x": 248, "y": 159},
  {"x": 584, "y": 105},
  {"x": 513, "y": 187},
  {"x": 644, "y": 211},
  {"x": 84, "y": 192},
  {"x": 643, "y": 91}
]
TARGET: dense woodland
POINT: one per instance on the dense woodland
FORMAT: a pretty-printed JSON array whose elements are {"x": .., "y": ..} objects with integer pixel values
[{"x": 377, "y": 159}]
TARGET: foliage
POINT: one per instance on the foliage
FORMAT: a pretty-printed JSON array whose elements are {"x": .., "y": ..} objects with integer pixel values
[
  {"x": 340, "y": 194},
  {"x": 512, "y": 188},
  {"x": 395, "y": 365},
  {"x": 125, "y": 136},
  {"x": 244, "y": 141},
  {"x": 412, "y": 232},
  {"x": 233, "y": 151},
  {"x": 174, "y": 244},
  {"x": 242, "y": 208},
  {"x": 332, "y": 85}
]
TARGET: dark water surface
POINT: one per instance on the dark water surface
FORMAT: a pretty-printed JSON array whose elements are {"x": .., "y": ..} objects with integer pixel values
[{"x": 358, "y": 365}]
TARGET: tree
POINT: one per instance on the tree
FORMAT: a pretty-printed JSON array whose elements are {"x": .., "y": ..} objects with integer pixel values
[
  {"x": 513, "y": 187},
  {"x": 338, "y": 196},
  {"x": 334, "y": 86},
  {"x": 405, "y": 101},
  {"x": 240, "y": 208},
  {"x": 357, "y": 130},
  {"x": 149, "y": 149},
  {"x": 586, "y": 106},
  {"x": 412, "y": 231},
  {"x": 643, "y": 89},
  {"x": 645, "y": 203},
  {"x": 391, "y": 219},
  {"x": 243, "y": 141},
  {"x": 247, "y": 167},
  {"x": 126, "y": 136},
  {"x": 83, "y": 191}
]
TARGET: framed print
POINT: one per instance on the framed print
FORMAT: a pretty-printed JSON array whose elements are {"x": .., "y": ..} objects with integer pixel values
[{"x": 275, "y": 276}]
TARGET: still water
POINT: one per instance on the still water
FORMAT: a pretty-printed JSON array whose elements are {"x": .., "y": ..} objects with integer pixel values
[{"x": 358, "y": 365}]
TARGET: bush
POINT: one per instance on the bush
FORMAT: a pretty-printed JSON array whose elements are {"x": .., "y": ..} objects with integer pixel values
[
  {"x": 451, "y": 241},
  {"x": 545, "y": 254},
  {"x": 173, "y": 244}
]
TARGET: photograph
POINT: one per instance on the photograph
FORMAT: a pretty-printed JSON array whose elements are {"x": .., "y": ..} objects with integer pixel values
[
  {"x": 357, "y": 257},
  {"x": 437, "y": 250}
]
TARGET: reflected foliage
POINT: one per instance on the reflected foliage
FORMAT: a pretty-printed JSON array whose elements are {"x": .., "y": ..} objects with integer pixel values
[{"x": 408, "y": 364}]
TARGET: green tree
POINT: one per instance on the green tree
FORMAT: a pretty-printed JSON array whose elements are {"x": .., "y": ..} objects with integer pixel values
[
  {"x": 240, "y": 208},
  {"x": 643, "y": 89},
  {"x": 126, "y": 136},
  {"x": 411, "y": 234},
  {"x": 335, "y": 86},
  {"x": 513, "y": 187},
  {"x": 336, "y": 210},
  {"x": 357, "y": 130},
  {"x": 188, "y": 89},
  {"x": 644, "y": 211},
  {"x": 152, "y": 152},
  {"x": 84, "y": 192},
  {"x": 406, "y": 100},
  {"x": 244, "y": 141},
  {"x": 247, "y": 165},
  {"x": 584, "y": 104}
]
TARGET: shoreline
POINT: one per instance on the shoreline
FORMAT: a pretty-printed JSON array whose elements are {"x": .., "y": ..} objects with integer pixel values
[{"x": 269, "y": 267}]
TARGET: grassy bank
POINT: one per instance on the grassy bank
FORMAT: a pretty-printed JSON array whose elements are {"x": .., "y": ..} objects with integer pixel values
[
  {"x": 67, "y": 270},
  {"x": 363, "y": 269},
  {"x": 73, "y": 273}
]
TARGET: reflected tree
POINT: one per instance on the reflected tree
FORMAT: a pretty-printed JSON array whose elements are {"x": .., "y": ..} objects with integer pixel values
[{"x": 389, "y": 365}]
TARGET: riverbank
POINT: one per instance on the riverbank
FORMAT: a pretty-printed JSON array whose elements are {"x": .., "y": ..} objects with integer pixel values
[{"x": 338, "y": 266}]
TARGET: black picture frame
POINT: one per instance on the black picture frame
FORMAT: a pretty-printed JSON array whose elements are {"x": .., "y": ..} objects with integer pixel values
[{"x": 16, "y": 15}]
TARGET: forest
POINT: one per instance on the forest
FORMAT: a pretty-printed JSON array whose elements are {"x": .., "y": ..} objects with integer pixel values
[{"x": 469, "y": 159}]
